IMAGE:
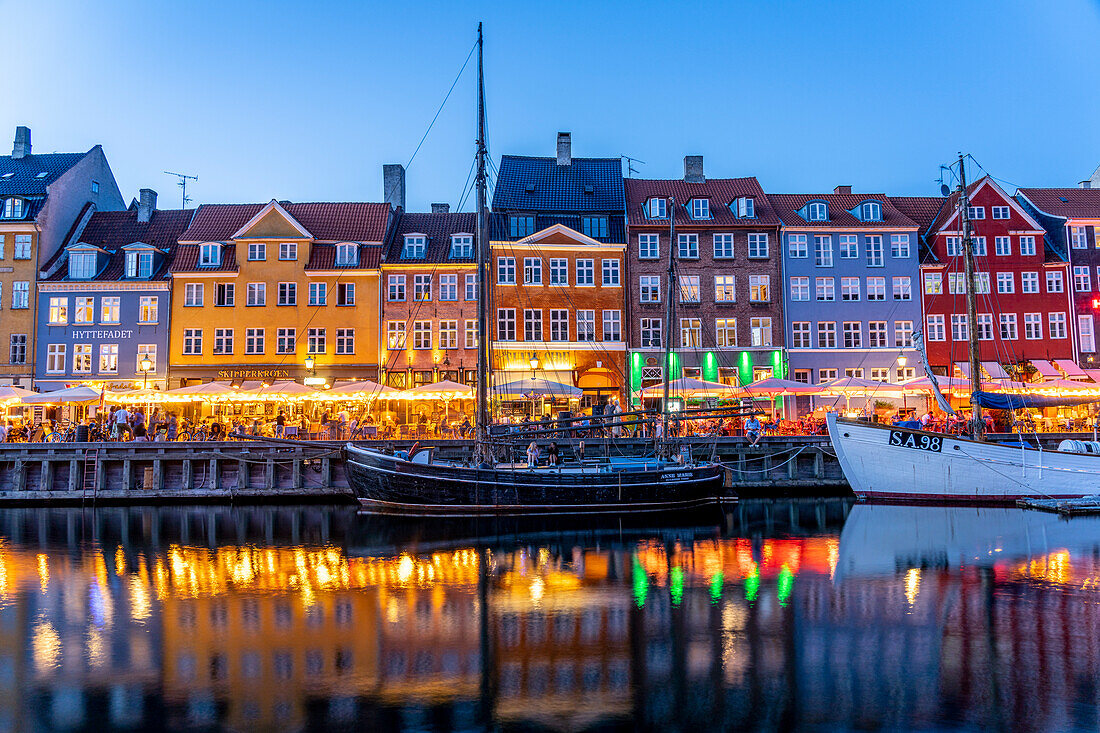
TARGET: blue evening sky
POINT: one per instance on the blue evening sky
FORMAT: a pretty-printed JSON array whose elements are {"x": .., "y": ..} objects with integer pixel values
[{"x": 306, "y": 101}]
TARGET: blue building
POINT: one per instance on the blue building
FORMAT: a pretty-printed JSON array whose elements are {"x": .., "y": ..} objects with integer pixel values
[
  {"x": 103, "y": 299},
  {"x": 850, "y": 268}
]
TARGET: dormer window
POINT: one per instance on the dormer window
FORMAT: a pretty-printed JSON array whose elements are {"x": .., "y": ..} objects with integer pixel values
[
  {"x": 745, "y": 207},
  {"x": 347, "y": 254},
  {"x": 700, "y": 208},
  {"x": 139, "y": 264},
  {"x": 13, "y": 208},
  {"x": 210, "y": 255},
  {"x": 870, "y": 211},
  {"x": 594, "y": 226},
  {"x": 817, "y": 211},
  {"x": 462, "y": 246},
  {"x": 521, "y": 226},
  {"x": 657, "y": 208},
  {"x": 82, "y": 265},
  {"x": 415, "y": 245}
]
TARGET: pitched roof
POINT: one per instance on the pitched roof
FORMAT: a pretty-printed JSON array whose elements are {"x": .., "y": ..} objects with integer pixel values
[
  {"x": 438, "y": 228},
  {"x": 1070, "y": 203},
  {"x": 922, "y": 210},
  {"x": 540, "y": 184},
  {"x": 186, "y": 259},
  {"x": 323, "y": 257},
  {"x": 840, "y": 207},
  {"x": 499, "y": 230},
  {"x": 25, "y": 180},
  {"x": 327, "y": 221},
  {"x": 720, "y": 191}
]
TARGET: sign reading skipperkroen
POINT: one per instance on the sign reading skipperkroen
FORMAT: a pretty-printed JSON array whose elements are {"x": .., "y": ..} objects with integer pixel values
[{"x": 253, "y": 373}]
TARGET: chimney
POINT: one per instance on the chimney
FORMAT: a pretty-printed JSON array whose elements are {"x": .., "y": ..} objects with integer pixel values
[
  {"x": 147, "y": 204},
  {"x": 565, "y": 148},
  {"x": 693, "y": 169},
  {"x": 22, "y": 146},
  {"x": 393, "y": 185},
  {"x": 441, "y": 208},
  {"x": 842, "y": 189}
]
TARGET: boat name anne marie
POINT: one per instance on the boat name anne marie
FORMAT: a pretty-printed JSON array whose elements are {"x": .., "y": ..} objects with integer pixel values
[{"x": 916, "y": 441}]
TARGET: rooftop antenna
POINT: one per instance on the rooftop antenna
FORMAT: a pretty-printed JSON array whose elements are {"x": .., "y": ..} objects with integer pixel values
[
  {"x": 630, "y": 169},
  {"x": 183, "y": 179}
]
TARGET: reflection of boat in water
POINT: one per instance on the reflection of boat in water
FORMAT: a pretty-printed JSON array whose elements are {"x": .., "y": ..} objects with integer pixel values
[{"x": 892, "y": 539}]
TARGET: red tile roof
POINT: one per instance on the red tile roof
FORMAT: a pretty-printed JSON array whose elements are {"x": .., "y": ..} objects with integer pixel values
[
  {"x": 356, "y": 222},
  {"x": 922, "y": 210},
  {"x": 720, "y": 191},
  {"x": 187, "y": 259},
  {"x": 840, "y": 206},
  {"x": 438, "y": 228},
  {"x": 1071, "y": 203},
  {"x": 323, "y": 257}
]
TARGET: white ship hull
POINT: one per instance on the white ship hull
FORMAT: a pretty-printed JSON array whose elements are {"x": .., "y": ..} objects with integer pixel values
[{"x": 884, "y": 462}]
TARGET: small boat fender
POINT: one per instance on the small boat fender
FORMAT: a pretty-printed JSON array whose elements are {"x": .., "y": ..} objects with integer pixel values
[{"x": 1090, "y": 447}]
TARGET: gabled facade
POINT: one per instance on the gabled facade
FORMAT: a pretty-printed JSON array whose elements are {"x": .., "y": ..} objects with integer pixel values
[
  {"x": 851, "y": 270},
  {"x": 558, "y": 245},
  {"x": 729, "y": 309},
  {"x": 257, "y": 289},
  {"x": 103, "y": 300},
  {"x": 43, "y": 198},
  {"x": 1023, "y": 292}
]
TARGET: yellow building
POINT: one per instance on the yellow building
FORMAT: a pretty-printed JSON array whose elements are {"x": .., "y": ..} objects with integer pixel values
[{"x": 259, "y": 288}]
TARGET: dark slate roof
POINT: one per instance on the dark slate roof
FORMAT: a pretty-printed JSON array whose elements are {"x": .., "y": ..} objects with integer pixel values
[
  {"x": 840, "y": 207},
  {"x": 25, "y": 182},
  {"x": 499, "y": 229},
  {"x": 720, "y": 191},
  {"x": 438, "y": 228},
  {"x": 323, "y": 257},
  {"x": 186, "y": 259},
  {"x": 328, "y": 221},
  {"x": 559, "y": 188},
  {"x": 112, "y": 230},
  {"x": 1069, "y": 203}
]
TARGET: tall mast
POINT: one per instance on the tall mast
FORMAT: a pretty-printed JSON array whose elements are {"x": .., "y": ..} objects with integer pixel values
[
  {"x": 484, "y": 355},
  {"x": 971, "y": 306},
  {"x": 670, "y": 310}
]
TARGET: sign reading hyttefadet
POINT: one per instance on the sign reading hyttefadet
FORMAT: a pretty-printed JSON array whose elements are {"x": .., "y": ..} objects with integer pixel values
[{"x": 104, "y": 333}]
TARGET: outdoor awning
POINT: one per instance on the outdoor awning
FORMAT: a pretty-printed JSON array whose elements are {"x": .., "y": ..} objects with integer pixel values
[
  {"x": 1071, "y": 369},
  {"x": 598, "y": 378},
  {"x": 963, "y": 367},
  {"x": 994, "y": 370},
  {"x": 1093, "y": 374},
  {"x": 1045, "y": 368}
]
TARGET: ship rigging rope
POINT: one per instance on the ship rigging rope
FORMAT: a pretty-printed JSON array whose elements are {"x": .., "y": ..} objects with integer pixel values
[{"x": 762, "y": 470}]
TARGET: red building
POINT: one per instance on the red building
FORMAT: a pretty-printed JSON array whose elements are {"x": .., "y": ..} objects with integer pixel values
[{"x": 1024, "y": 305}]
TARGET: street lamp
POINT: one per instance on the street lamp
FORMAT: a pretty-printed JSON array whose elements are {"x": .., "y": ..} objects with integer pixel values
[
  {"x": 146, "y": 367},
  {"x": 534, "y": 362},
  {"x": 902, "y": 361},
  {"x": 309, "y": 363}
]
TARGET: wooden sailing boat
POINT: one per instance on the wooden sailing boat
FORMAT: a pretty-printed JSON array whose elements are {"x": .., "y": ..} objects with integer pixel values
[
  {"x": 419, "y": 483},
  {"x": 893, "y": 463}
]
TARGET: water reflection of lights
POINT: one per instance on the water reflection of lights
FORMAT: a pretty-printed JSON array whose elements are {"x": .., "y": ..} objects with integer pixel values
[
  {"x": 1055, "y": 567},
  {"x": 45, "y": 647},
  {"x": 43, "y": 572},
  {"x": 912, "y": 586}
]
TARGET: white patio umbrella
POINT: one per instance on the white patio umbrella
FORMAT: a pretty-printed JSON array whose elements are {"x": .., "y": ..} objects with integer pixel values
[
  {"x": 81, "y": 395},
  {"x": 364, "y": 388},
  {"x": 445, "y": 390},
  {"x": 691, "y": 387},
  {"x": 538, "y": 388},
  {"x": 775, "y": 387},
  {"x": 9, "y": 393}
]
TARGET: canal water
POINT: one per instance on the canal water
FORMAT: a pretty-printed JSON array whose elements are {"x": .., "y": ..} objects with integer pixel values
[{"x": 767, "y": 616}]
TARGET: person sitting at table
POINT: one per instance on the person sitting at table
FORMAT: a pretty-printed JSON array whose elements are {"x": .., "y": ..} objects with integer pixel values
[{"x": 753, "y": 429}]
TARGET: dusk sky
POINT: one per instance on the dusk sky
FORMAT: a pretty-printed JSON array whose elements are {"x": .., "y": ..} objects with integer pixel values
[{"x": 306, "y": 101}]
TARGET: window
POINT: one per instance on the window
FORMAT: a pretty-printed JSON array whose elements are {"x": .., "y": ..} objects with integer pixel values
[
  {"x": 826, "y": 375},
  {"x": 725, "y": 290},
  {"x": 285, "y": 339},
  {"x": 82, "y": 265},
  {"x": 139, "y": 264},
  {"x": 223, "y": 341},
  {"x": 506, "y": 270},
  {"x": 823, "y": 250},
  {"x": 1033, "y": 326},
  {"x": 649, "y": 288},
  {"x": 688, "y": 246},
  {"x": 689, "y": 288},
  {"x": 586, "y": 325},
  {"x": 506, "y": 324},
  {"x": 55, "y": 358},
  {"x": 657, "y": 208},
  {"x": 13, "y": 208},
  {"x": 448, "y": 287},
  {"x": 471, "y": 334},
  {"x": 959, "y": 329},
  {"x": 856, "y": 372},
  {"x": 1006, "y": 282},
  {"x": 471, "y": 287},
  {"x": 395, "y": 334},
  {"x": 95, "y": 186},
  {"x": 21, "y": 294},
  {"x": 985, "y": 326},
  {"x": 611, "y": 273},
  {"x": 82, "y": 359},
  {"x": 876, "y": 288},
  {"x": 758, "y": 246},
  {"x": 192, "y": 341},
  {"x": 346, "y": 254},
  {"x": 254, "y": 340},
  {"x": 954, "y": 246},
  {"x": 796, "y": 246},
  {"x": 422, "y": 335},
  {"x": 148, "y": 307},
  {"x": 414, "y": 247},
  {"x": 849, "y": 288},
  {"x": 586, "y": 273},
  {"x": 559, "y": 324},
  {"x": 649, "y": 246},
  {"x": 1008, "y": 327},
  {"x": 1084, "y": 331},
  {"x": 874, "y": 251},
  {"x": 612, "y": 325},
  {"x": 746, "y": 207},
  {"x": 318, "y": 294},
  {"x": 559, "y": 271},
  {"x": 192, "y": 294},
  {"x": 691, "y": 333},
  {"x": 956, "y": 283},
  {"x": 933, "y": 283},
  {"x": 1057, "y": 324},
  {"x": 1002, "y": 246},
  {"x": 725, "y": 332},
  {"x": 17, "y": 349},
  {"x": 532, "y": 271},
  {"x": 395, "y": 288},
  {"x": 224, "y": 294},
  {"x": 978, "y": 244},
  {"x": 257, "y": 251},
  {"x": 826, "y": 288},
  {"x": 521, "y": 226},
  {"x": 880, "y": 375},
  {"x": 84, "y": 310},
  {"x": 975, "y": 212},
  {"x": 1077, "y": 238},
  {"x": 532, "y": 324},
  {"x": 1000, "y": 212},
  {"x": 345, "y": 294},
  {"x": 210, "y": 254},
  {"x": 1029, "y": 282},
  {"x": 651, "y": 333},
  {"x": 981, "y": 282},
  {"x": 849, "y": 247},
  {"x": 800, "y": 288},
  {"x": 700, "y": 208},
  {"x": 876, "y": 331},
  {"x": 22, "y": 247},
  {"x": 594, "y": 226},
  {"x": 870, "y": 211},
  {"x": 462, "y": 246},
  {"x": 448, "y": 335},
  {"x": 817, "y": 211},
  {"x": 936, "y": 330},
  {"x": 903, "y": 287},
  {"x": 288, "y": 294},
  {"x": 853, "y": 335},
  {"x": 723, "y": 245},
  {"x": 345, "y": 340},
  {"x": 256, "y": 294},
  {"x": 315, "y": 341},
  {"x": 422, "y": 287},
  {"x": 826, "y": 335},
  {"x": 1054, "y": 282},
  {"x": 1027, "y": 246},
  {"x": 800, "y": 334},
  {"x": 59, "y": 311},
  {"x": 1081, "y": 281},
  {"x": 759, "y": 287}
]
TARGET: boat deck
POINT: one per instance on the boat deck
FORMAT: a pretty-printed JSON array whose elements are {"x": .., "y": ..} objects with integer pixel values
[{"x": 1065, "y": 507}]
